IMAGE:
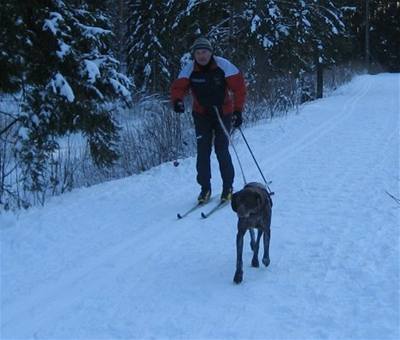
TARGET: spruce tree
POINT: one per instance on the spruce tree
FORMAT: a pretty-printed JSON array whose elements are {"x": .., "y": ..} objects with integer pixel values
[
  {"x": 13, "y": 42},
  {"x": 148, "y": 46},
  {"x": 385, "y": 34},
  {"x": 69, "y": 80}
]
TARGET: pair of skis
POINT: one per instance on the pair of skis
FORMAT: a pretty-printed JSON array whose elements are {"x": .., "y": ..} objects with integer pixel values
[{"x": 217, "y": 207}]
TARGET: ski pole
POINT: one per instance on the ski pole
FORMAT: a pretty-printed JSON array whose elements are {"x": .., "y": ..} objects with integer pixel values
[
  {"x": 255, "y": 161},
  {"x": 230, "y": 142}
]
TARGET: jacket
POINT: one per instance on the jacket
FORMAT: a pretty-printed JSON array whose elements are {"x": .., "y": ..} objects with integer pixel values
[{"x": 219, "y": 83}]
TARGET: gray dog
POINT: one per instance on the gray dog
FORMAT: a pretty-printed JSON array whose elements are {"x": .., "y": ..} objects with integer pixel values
[{"x": 253, "y": 206}]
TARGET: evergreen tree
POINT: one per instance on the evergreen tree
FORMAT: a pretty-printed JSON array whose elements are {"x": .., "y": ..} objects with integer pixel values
[
  {"x": 149, "y": 40},
  {"x": 13, "y": 42},
  {"x": 224, "y": 23},
  {"x": 69, "y": 79},
  {"x": 385, "y": 34},
  {"x": 296, "y": 34}
]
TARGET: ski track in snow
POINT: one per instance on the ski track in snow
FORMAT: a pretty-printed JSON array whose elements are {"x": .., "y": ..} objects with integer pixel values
[{"x": 112, "y": 261}]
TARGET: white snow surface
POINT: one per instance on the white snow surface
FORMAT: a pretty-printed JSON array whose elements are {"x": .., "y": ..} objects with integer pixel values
[{"x": 113, "y": 262}]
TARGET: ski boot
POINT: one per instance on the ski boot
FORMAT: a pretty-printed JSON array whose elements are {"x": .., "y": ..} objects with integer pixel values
[
  {"x": 226, "y": 194},
  {"x": 204, "y": 195}
]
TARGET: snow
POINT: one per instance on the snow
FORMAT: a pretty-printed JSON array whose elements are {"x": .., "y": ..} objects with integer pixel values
[
  {"x": 147, "y": 70},
  {"x": 267, "y": 43},
  {"x": 283, "y": 29},
  {"x": 112, "y": 261},
  {"x": 60, "y": 86},
  {"x": 306, "y": 22},
  {"x": 92, "y": 70},
  {"x": 64, "y": 49},
  {"x": 255, "y": 23},
  {"x": 23, "y": 133},
  {"x": 119, "y": 88},
  {"x": 273, "y": 11},
  {"x": 52, "y": 23},
  {"x": 92, "y": 31}
]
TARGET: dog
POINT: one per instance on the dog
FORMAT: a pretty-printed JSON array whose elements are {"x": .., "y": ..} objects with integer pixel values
[{"x": 253, "y": 206}]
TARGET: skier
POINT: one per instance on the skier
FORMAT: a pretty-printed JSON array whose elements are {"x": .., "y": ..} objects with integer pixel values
[{"x": 213, "y": 82}]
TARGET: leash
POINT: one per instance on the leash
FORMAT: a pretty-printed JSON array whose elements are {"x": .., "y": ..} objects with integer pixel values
[{"x": 237, "y": 156}]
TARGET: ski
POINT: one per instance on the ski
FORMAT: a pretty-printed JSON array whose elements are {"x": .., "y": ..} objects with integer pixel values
[
  {"x": 195, "y": 207},
  {"x": 214, "y": 209},
  {"x": 180, "y": 216}
]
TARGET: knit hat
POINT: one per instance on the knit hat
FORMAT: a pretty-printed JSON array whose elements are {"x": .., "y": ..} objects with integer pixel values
[{"x": 202, "y": 43}]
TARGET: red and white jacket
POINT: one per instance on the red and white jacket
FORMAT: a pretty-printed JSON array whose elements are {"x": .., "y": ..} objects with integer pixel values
[{"x": 220, "y": 83}]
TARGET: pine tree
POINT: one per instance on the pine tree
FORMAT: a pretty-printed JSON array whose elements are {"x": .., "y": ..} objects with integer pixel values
[
  {"x": 13, "y": 41},
  {"x": 148, "y": 54},
  {"x": 69, "y": 79},
  {"x": 385, "y": 34}
]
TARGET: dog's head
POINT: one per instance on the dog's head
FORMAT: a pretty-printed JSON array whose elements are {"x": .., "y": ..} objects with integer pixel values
[{"x": 247, "y": 203}]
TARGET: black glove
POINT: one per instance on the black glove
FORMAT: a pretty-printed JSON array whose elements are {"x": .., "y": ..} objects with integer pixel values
[
  {"x": 179, "y": 107},
  {"x": 237, "y": 119}
]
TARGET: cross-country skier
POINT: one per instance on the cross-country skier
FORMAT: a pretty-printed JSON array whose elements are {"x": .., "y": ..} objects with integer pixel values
[{"x": 213, "y": 82}]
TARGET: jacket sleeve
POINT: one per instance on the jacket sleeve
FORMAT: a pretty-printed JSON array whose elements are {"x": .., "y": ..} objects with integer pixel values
[
  {"x": 180, "y": 87},
  {"x": 238, "y": 87},
  {"x": 235, "y": 82}
]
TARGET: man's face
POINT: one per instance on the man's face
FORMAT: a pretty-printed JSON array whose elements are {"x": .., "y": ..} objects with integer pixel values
[{"x": 202, "y": 56}]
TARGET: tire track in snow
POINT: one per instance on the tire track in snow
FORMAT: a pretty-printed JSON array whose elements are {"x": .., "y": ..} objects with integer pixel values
[
  {"x": 352, "y": 258},
  {"x": 292, "y": 151},
  {"x": 47, "y": 303},
  {"x": 46, "y": 299},
  {"x": 314, "y": 135},
  {"x": 339, "y": 244}
]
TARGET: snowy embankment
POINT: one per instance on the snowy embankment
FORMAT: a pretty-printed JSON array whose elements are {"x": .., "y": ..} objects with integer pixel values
[{"x": 112, "y": 261}]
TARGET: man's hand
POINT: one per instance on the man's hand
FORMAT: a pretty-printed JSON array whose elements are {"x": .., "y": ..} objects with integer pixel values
[
  {"x": 237, "y": 119},
  {"x": 179, "y": 107}
]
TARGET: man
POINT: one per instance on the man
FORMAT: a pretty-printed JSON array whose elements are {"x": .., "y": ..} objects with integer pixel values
[{"x": 213, "y": 82}]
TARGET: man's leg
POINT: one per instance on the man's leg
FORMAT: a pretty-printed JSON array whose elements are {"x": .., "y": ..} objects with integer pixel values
[
  {"x": 222, "y": 151},
  {"x": 204, "y": 136}
]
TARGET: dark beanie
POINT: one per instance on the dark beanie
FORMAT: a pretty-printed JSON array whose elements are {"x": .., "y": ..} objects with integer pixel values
[{"x": 202, "y": 43}]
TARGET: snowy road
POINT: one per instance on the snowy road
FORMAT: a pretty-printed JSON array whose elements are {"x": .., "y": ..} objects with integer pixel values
[{"x": 112, "y": 261}]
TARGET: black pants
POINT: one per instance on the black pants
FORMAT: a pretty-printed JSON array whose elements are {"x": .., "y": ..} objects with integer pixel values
[{"x": 208, "y": 127}]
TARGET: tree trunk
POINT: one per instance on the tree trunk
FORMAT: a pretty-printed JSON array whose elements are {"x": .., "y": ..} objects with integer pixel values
[
  {"x": 320, "y": 80},
  {"x": 231, "y": 16},
  {"x": 367, "y": 45}
]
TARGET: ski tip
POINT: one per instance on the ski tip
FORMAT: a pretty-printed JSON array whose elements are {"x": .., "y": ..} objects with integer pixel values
[
  {"x": 179, "y": 216},
  {"x": 203, "y": 215}
]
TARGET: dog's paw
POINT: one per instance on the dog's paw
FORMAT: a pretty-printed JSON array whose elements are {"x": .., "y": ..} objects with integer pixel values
[
  {"x": 266, "y": 261},
  {"x": 238, "y": 277},
  {"x": 255, "y": 263}
]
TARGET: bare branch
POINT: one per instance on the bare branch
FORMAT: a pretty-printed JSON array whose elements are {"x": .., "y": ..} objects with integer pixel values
[
  {"x": 9, "y": 126},
  {"x": 7, "y": 114}
]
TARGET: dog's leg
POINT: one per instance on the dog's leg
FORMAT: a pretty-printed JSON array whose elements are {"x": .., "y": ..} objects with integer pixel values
[
  {"x": 254, "y": 261},
  {"x": 239, "y": 253},
  {"x": 267, "y": 237},
  {"x": 252, "y": 239}
]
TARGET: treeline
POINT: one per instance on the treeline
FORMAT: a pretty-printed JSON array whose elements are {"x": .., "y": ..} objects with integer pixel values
[
  {"x": 67, "y": 67},
  {"x": 272, "y": 37}
]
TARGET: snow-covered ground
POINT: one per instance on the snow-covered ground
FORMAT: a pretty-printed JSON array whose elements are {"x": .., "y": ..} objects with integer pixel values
[{"x": 112, "y": 261}]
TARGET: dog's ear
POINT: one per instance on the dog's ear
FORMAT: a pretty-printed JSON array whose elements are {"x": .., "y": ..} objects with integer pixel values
[{"x": 234, "y": 201}]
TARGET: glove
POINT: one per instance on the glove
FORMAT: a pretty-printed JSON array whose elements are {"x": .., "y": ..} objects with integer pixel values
[
  {"x": 237, "y": 119},
  {"x": 179, "y": 107}
]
